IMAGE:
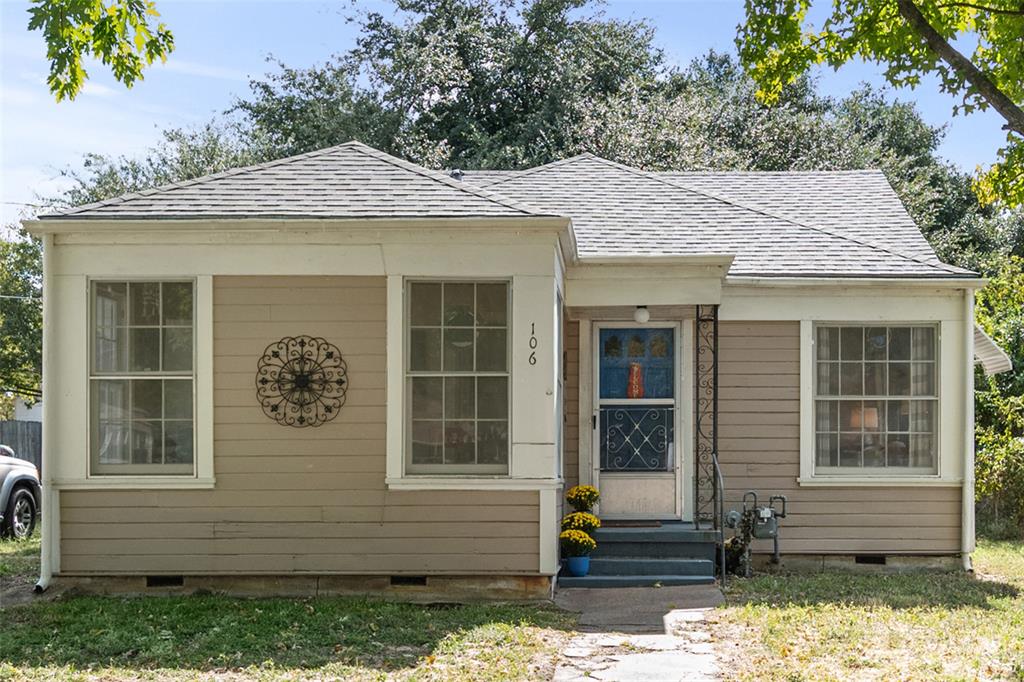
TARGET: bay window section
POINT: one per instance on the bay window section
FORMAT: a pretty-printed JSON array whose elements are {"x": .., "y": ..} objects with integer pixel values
[
  {"x": 141, "y": 412},
  {"x": 457, "y": 377},
  {"x": 876, "y": 399}
]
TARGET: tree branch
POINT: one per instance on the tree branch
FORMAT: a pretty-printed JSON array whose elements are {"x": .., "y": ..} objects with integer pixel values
[
  {"x": 963, "y": 66},
  {"x": 983, "y": 8}
]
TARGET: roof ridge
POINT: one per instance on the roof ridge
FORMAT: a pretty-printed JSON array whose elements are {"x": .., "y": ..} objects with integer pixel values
[
  {"x": 654, "y": 176},
  {"x": 544, "y": 166},
  {"x": 438, "y": 176},
  {"x": 159, "y": 189}
]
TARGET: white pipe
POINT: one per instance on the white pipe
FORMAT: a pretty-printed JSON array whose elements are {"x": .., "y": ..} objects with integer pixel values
[
  {"x": 47, "y": 531},
  {"x": 967, "y": 512}
]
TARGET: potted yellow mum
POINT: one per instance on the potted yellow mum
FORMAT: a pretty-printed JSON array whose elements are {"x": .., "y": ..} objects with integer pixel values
[{"x": 577, "y": 546}]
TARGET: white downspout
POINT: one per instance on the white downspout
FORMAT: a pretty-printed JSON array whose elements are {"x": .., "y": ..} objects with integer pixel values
[
  {"x": 967, "y": 513},
  {"x": 47, "y": 532}
]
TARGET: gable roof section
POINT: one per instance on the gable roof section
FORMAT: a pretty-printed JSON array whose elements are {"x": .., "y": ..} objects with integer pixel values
[
  {"x": 618, "y": 210},
  {"x": 350, "y": 180}
]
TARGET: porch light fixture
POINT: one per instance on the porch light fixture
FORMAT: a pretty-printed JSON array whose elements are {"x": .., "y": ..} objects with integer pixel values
[{"x": 641, "y": 315}]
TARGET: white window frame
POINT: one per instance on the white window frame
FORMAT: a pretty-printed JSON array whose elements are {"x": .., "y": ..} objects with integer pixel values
[
  {"x": 453, "y": 470},
  {"x": 142, "y": 476},
  {"x": 841, "y": 471},
  {"x": 947, "y": 472}
]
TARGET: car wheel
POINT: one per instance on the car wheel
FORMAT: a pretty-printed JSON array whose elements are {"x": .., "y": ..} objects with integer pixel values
[{"x": 21, "y": 514}]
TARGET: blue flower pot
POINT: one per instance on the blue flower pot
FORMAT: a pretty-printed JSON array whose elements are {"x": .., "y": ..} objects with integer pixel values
[{"x": 578, "y": 566}]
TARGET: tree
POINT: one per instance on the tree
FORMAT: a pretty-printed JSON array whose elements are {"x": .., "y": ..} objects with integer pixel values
[
  {"x": 21, "y": 323},
  {"x": 119, "y": 34},
  {"x": 999, "y": 402},
  {"x": 912, "y": 38}
]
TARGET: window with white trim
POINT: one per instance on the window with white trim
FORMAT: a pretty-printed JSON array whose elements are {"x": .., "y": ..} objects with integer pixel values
[
  {"x": 141, "y": 380},
  {"x": 457, "y": 377},
  {"x": 876, "y": 399}
]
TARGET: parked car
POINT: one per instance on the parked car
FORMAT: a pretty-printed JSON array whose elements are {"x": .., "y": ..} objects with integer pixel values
[{"x": 20, "y": 495}]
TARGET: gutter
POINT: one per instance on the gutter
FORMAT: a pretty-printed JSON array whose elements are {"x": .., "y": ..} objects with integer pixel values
[
  {"x": 47, "y": 531},
  {"x": 951, "y": 282},
  {"x": 967, "y": 511}
]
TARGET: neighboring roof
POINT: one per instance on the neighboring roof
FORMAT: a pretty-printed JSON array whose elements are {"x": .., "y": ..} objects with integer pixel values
[
  {"x": 350, "y": 180},
  {"x": 617, "y": 210},
  {"x": 992, "y": 358}
]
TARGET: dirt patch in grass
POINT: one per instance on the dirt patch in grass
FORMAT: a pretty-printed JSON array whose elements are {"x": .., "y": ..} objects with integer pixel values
[
  {"x": 19, "y": 569},
  {"x": 843, "y": 626}
]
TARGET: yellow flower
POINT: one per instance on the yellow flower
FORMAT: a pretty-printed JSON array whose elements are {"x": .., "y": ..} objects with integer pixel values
[
  {"x": 584, "y": 521},
  {"x": 582, "y": 497},
  {"x": 576, "y": 543}
]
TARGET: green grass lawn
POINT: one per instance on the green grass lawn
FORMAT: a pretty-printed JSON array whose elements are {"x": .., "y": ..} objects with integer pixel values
[
  {"x": 846, "y": 626},
  {"x": 213, "y": 637}
]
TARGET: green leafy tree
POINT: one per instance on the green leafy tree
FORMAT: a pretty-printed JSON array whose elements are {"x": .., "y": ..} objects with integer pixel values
[
  {"x": 779, "y": 42},
  {"x": 999, "y": 403},
  {"x": 21, "y": 323},
  {"x": 119, "y": 34}
]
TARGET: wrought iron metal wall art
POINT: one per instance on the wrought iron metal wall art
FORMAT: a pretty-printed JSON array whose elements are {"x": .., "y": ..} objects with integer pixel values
[{"x": 301, "y": 381}]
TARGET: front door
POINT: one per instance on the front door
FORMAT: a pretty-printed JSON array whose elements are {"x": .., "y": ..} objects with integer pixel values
[{"x": 637, "y": 420}]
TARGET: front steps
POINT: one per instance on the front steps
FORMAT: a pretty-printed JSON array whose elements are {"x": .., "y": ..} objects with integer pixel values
[{"x": 671, "y": 554}]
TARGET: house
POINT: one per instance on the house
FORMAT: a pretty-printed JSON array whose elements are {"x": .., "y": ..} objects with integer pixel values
[{"x": 343, "y": 371}]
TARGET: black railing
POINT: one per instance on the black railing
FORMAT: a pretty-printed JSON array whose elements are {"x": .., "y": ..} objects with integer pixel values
[{"x": 709, "y": 484}]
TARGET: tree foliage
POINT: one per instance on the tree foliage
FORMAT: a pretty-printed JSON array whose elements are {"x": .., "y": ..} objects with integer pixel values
[
  {"x": 119, "y": 34},
  {"x": 1000, "y": 400},
  {"x": 21, "y": 324},
  {"x": 779, "y": 42}
]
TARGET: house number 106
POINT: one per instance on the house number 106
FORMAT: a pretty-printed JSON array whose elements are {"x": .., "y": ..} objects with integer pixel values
[{"x": 533, "y": 343}]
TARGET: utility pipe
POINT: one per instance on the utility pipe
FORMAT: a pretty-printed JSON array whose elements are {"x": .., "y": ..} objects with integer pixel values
[
  {"x": 967, "y": 511},
  {"x": 47, "y": 531}
]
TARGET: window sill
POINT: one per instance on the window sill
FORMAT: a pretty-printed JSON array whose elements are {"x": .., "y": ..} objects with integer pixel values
[
  {"x": 878, "y": 481},
  {"x": 135, "y": 483},
  {"x": 412, "y": 482}
]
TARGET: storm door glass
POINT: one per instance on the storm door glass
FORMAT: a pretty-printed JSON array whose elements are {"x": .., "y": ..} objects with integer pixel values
[{"x": 637, "y": 401}]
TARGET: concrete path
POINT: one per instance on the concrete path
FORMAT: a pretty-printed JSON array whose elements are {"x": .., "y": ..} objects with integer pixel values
[{"x": 647, "y": 634}]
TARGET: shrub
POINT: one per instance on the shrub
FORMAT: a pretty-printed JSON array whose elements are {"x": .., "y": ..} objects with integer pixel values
[
  {"x": 582, "y": 497},
  {"x": 584, "y": 521},
  {"x": 576, "y": 543}
]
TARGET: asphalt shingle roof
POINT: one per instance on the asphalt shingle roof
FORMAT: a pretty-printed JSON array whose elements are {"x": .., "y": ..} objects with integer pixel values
[
  {"x": 825, "y": 224},
  {"x": 350, "y": 180},
  {"x": 828, "y": 224}
]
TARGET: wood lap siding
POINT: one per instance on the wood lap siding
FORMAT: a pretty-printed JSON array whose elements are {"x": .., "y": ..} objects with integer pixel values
[
  {"x": 759, "y": 447},
  {"x": 307, "y": 500},
  {"x": 571, "y": 418}
]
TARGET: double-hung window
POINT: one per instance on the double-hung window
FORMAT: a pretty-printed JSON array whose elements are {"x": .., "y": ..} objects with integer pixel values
[
  {"x": 457, "y": 377},
  {"x": 876, "y": 399},
  {"x": 141, "y": 382}
]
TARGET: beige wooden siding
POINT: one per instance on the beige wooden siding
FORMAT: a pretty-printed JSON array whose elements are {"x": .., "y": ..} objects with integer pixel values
[
  {"x": 759, "y": 444},
  {"x": 307, "y": 500},
  {"x": 571, "y": 418}
]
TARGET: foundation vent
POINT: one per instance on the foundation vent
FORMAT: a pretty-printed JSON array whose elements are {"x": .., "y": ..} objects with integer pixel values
[
  {"x": 165, "y": 581},
  {"x": 408, "y": 580}
]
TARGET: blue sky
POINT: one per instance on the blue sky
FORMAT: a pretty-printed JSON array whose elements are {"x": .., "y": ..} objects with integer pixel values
[{"x": 220, "y": 44}]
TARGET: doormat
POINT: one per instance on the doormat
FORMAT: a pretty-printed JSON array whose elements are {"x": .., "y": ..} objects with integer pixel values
[{"x": 630, "y": 523}]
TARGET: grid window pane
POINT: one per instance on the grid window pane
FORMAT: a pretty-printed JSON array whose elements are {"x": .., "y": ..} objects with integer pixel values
[
  {"x": 458, "y": 376},
  {"x": 142, "y": 330},
  {"x": 876, "y": 424}
]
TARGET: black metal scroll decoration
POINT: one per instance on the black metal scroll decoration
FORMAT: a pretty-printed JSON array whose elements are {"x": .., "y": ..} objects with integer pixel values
[
  {"x": 301, "y": 381},
  {"x": 706, "y": 385}
]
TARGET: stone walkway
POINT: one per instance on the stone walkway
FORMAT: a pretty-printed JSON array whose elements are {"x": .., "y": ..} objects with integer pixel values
[{"x": 640, "y": 633}]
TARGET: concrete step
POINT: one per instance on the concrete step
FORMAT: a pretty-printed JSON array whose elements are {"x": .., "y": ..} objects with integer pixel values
[
  {"x": 640, "y": 566},
  {"x": 634, "y": 580},
  {"x": 668, "y": 532}
]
